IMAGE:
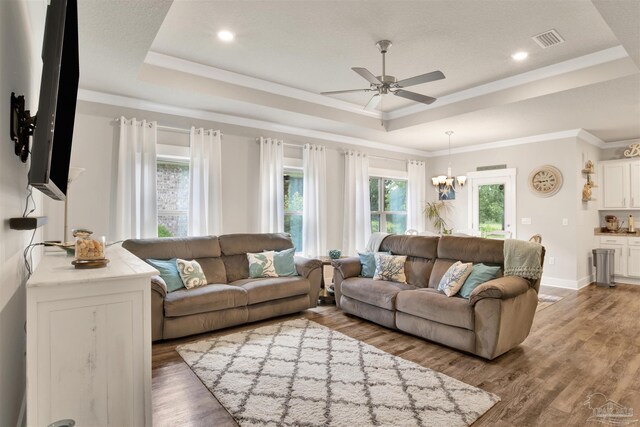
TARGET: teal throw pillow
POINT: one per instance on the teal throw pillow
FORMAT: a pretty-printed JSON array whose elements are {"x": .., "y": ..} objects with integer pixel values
[
  {"x": 368, "y": 263},
  {"x": 169, "y": 272},
  {"x": 481, "y": 273},
  {"x": 284, "y": 263}
]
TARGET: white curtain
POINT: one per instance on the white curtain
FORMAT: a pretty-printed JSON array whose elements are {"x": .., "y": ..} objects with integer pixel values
[
  {"x": 314, "y": 208},
  {"x": 205, "y": 182},
  {"x": 271, "y": 185},
  {"x": 136, "y": 210},
  {"x": 357, "y": 207},
  {"x": 416, "y": 195}
]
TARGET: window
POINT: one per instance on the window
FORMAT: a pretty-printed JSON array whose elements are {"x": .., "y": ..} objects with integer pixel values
[
  {"x": 388, "y": 205},
  {"x": 173, "y": 197},
  {"x": 293, "y": 197}
]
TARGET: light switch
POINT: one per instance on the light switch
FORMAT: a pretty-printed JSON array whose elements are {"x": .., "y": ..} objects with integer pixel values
[
  {"x": 526, "y": 221},
  {"x": 552, "y": 260},
  {"x": 565, "y": 221}
]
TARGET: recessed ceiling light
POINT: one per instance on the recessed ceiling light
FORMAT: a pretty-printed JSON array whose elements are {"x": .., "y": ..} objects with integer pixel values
[
  {"x": 519, "y": 56},
  {"x": 226, "y": 35}
]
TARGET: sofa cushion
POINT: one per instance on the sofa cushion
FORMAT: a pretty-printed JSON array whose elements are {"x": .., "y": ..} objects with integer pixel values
[
  {"x": 436, "y": 306},
  {"x": 236, "y": 267},
  {"x": 203, "y": 299},
  {"x": 390, "y": 267},
  {"x": 261, "y": 265},
  {"x": 380, "y": 293},
  {"x": 269, "y": 289},
  {"x": 418, "y": 271},
  {"x": 234, "y": 244},
  {"x": 174, "y": 247},
  {"x": 418, "y": 246}
]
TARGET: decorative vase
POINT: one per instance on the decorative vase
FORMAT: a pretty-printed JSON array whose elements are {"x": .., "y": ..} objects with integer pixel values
[{"x": 335, "y": 253}]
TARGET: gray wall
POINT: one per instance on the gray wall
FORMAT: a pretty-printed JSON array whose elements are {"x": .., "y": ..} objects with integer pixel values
[
  {"x": 95, "y": 142},
  {"x": 18, "y": 72}
]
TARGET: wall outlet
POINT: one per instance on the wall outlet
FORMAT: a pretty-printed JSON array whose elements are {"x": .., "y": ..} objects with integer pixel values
[
  {"x": 552, "y": 260},
  {"x": 526, "y": 221},
  {"x": 565, "y": 221}
]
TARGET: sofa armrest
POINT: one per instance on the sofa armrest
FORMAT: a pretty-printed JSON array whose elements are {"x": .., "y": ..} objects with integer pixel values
[
  {"x": 348, "y": 267},
  {"x": 501, "y": 288},
  {"x": 158, "y": 284},
  {"x": 344, "y": 268},
  {"x": 305, "y": 266}
]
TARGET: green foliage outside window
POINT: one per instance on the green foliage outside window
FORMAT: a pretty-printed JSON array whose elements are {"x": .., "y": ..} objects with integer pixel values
[
  {"x": 388, "y": 198},
  {"x": 163, "y": 231},
  {"x": 293, "y": 203},
  {"x": 491, "y": 207}
]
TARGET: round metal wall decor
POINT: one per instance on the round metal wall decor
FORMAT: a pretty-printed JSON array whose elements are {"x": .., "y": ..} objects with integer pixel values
[{"x": 545, "y": 181}]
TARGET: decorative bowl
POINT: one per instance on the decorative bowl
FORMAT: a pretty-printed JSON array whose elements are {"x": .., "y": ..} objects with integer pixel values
[{"x": 335, "y": 253}]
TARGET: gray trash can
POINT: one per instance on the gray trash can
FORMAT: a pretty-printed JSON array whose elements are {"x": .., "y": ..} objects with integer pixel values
[{"x": 604, "y": 262}]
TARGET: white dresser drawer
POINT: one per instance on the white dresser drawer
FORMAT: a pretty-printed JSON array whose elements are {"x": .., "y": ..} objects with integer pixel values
[
  {"x": 634, "y": 241},
  {"x": 620, "y": 240}
]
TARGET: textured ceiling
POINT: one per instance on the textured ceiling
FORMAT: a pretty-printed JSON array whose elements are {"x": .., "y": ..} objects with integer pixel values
[{"x": 311, "y": 45}]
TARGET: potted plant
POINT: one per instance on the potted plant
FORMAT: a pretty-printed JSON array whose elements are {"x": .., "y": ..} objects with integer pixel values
[{"x": 436, "y": 212}]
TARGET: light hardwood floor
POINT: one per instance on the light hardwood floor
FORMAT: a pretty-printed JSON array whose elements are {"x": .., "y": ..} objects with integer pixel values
[{"x": 587, "y": 342}]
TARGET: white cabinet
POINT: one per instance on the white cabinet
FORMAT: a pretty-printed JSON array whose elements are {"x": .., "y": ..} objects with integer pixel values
[
  {"x": 619, "y": 244},
  {"x": 634, "y": 190},
  {"x": 620, "y": 184},
  {"x": 89, "y": 342},
  {"x": 633, "y": 257}
]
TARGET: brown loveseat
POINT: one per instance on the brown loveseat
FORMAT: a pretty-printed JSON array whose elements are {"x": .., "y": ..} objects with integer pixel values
[
  {"x": 497, "y": 316},
  {"x": 231, "y": 297}
]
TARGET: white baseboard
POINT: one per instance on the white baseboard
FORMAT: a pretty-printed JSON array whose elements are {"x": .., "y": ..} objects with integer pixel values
[
  {"x": 561, "y": 283},
  {"x": 626, "y": 280}
]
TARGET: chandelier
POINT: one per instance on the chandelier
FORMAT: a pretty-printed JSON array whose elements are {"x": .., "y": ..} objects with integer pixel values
[{"x": 444, "y": 183}]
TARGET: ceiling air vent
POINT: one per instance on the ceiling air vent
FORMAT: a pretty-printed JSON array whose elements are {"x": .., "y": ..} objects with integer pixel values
[{"x": 548, "y": 39}]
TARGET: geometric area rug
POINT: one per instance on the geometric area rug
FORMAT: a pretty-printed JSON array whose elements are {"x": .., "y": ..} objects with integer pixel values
[{"x": 300, "y": 373}]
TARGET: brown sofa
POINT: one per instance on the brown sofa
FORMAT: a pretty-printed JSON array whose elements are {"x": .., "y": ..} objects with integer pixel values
[
  {"x": 231, "y": 297},
  {"x": 497, "y": 316}
]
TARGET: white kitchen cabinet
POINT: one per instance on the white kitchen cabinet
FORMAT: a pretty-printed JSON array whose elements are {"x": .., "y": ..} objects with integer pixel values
[
  {"x": 619, "y": 244},
  {"x": 634, "y": 189},
  {"x": 620, "y": 184},
  {"x": 633, "y": 257},
  {"x": 89, "y": 342}
]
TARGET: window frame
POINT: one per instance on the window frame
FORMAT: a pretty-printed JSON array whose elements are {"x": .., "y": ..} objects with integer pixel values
[
  {"x": 297, "y": 170},
  {"x": 176, "y": 160},
  {"x": 381, "y": 212}
]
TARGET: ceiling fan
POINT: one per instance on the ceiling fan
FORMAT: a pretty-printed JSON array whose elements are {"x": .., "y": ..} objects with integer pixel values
[{"x": 386, "y": 83}]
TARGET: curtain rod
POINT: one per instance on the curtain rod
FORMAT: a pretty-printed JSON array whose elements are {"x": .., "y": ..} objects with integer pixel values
[
  {"x": 286, "y": 144},
  {"x": 170, "y": 128}
]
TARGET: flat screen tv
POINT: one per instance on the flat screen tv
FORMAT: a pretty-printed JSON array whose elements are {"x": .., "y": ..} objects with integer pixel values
[{"x": 51, "y": 148}]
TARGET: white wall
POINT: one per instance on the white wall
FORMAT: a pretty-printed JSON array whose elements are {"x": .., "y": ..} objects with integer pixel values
[
  {"x": 19, "y": 72},
  {"x": 546, "y": 213},
  {"x": 95, "y": 142}
]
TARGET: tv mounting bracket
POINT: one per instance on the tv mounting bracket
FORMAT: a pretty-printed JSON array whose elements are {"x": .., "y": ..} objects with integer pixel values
[{"x": 22, "y": 126}]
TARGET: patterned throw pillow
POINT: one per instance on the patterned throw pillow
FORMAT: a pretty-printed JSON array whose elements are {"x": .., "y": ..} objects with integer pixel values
[
  {"x": 261, "y": 265},
  {"x": 390, "y": 267},
  {"x": 368, "y": 263},
  {"x": 191, "y": 273},
  {"x": 454, "y": 278}
]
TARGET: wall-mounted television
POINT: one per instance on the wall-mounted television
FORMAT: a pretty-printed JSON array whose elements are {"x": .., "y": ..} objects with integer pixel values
[{"x": 51, "y": 147}]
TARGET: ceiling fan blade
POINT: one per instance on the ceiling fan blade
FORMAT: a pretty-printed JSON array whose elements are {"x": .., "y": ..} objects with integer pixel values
[
  {"x": 414, "y": 96},
  {"x": 335, "y": 92},
  {"x": 424, "y": 78},
  {"x": 367, "y": 75},
  {"x": 373, "y": 102}
]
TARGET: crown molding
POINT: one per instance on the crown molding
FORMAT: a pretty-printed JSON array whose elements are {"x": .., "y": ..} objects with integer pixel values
[
  {"x": 213, "y": 73},
  {"x": 140, "y": 104},
  {"x": 571, "y": 65}
]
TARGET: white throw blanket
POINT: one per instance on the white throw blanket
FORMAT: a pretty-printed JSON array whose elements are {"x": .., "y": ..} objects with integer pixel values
[
  {"x": 522, "y": 259},
  {"x": 375, "y": 241}
]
